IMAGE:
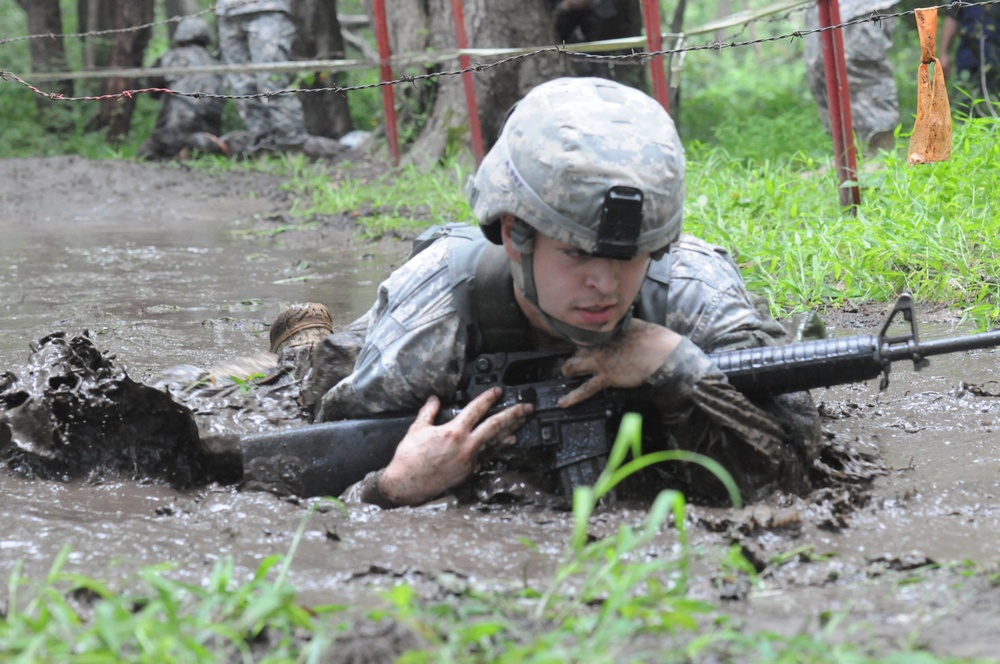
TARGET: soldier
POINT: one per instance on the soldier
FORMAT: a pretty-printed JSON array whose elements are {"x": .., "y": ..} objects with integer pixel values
[
  {"x": 870, "y": 77},
  {"x": 975, "y": 69},
  {"x": 261, "y": 32},
  {"x": 579, "y": 204},
  {"x": 187, "y": 124},
  {"x": 599, "y": 20}
]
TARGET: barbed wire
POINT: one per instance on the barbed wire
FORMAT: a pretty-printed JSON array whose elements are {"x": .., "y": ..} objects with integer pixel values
[
  {"x": 109, "y": 31},
  {"x": 639, "y": 57}
]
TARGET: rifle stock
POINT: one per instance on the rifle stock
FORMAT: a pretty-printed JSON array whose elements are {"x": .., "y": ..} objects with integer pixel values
[
  {"x": 325, "y": 459},
  {"x": 320, "y": 459}
]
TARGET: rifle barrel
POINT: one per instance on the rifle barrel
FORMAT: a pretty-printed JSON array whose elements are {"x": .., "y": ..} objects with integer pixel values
[{"x": 945, "y": 346}]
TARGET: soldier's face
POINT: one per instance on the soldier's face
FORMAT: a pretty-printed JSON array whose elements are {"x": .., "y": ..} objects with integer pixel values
[{"x": 580, "y": 289}]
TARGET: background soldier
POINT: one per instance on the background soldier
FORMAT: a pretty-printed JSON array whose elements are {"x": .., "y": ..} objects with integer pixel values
[
  {"x": 870, "y": 77},
  {"x": 261, "y": 32},
  {"x": 185, "y": 123},
  {"x": 598, "y": 20},
  {"x": 975, "y": 69}
]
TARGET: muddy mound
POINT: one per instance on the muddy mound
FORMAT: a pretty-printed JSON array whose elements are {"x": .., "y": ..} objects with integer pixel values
[{"x": 73, "y": 414}]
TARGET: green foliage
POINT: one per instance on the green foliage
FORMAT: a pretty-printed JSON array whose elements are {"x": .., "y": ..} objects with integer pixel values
[
  {"x": 923, "y": 229},
  {"x": 405, "y": 200},
  {"x": 70, "y": 617}
]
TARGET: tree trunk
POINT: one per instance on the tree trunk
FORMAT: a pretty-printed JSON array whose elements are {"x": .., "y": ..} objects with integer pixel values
[
  {"x": 126, "y": 51},
  {"x": 95, "y": 15},
  {"x": 416, "y": 25},
  {"x": 178, "y": 8},
  {"x": 319, "y": 37},
  {"x": 47, "y": 53}
]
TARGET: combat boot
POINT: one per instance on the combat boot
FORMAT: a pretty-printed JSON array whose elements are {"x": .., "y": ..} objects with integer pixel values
[
  {"x": 321, "y": 147},
  {"x": 207, "y": 143},
  {"x": 300, "y": 325}
]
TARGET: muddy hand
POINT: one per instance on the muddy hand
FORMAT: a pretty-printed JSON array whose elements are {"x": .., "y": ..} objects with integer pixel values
[
  {"x": 626, "y": 361},
  {"x": 434, "y": 458}
]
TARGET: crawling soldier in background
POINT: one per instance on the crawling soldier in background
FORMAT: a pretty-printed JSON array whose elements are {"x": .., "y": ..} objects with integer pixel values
[{"x": 187, "y": 124}]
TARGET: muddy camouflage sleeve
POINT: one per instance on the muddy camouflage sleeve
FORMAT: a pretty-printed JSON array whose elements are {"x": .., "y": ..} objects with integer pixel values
[
  {"x": 766, "y": 444},
  {"x": 414, "y": 347}
]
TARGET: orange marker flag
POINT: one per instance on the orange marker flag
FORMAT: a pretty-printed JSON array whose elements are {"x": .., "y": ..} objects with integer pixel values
[{"x": 931, "y": 138}]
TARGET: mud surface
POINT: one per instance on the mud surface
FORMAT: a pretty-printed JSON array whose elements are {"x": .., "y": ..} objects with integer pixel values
[{"x": 165, "y": 266}]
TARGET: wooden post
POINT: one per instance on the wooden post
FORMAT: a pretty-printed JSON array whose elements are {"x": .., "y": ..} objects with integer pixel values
[
  {"x": 838, "y": 94},
  {"x": 654, "y": 41},
  {"x": 468, "y": 82},
  {"x": 385, "y": 75}
]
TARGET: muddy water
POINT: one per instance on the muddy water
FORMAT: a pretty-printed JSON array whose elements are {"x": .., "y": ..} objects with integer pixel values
[{"x": 166, "y": 266}]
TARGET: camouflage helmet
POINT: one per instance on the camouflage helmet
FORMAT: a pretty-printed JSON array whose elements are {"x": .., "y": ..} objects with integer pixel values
[
  {"x": 193, "y": 29},
  {"x": 565, "y": 146}
]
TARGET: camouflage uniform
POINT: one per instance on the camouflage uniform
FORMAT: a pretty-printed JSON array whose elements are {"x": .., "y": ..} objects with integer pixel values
[
  {"x": 416, "y": 346},
  {"x": 977, "y": 58},
  {"x": 182, "y": 118},
  {"x": 259, "y": 32},
  {"x": 870, "y": 77}
]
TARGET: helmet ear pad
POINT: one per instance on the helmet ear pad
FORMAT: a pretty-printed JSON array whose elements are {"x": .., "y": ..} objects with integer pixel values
[{"x": 518, "y": 242}]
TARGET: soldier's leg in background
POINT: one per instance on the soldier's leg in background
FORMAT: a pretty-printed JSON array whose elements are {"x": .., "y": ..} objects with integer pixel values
[
  {"x": 872, "y": 82},
  {"x": 171, "y": 131},
  {"x": 234, "y": 44},
  {"x": 874, "y": 97},
  {"x": 270, "y": 39}
]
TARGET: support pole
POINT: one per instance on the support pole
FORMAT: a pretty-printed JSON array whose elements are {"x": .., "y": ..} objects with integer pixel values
[
  {"x": 468, "y": 82},
  {"x": 839, "y": 99},
  {"x": 654, "y": 41},
  {"x": 385, "y": 75}
]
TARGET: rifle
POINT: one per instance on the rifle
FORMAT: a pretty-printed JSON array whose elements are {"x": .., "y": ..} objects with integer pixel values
[{"x": 326, "y": 458}]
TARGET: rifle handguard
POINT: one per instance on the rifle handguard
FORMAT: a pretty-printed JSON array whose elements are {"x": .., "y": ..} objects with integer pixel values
[{"x": 821, "y": 363}]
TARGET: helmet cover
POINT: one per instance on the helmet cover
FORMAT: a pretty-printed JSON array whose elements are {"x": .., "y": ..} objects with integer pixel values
[
  {"x": 561, "y": 150},
  {"x": 193, "y": 29}
]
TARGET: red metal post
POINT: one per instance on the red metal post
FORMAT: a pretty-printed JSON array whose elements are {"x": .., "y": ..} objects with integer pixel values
[
  {"x": 461, "y": 40},
  {"x": 654, "y": 41},
  {"x": 385, "y": 74},
  {"x": 839, "y": 98}
]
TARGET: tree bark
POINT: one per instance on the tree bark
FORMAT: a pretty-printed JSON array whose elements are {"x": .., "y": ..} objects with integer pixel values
[
  {"x": 47, "y": 53},
  {"x": 95, "y": 15},
  {"x": 416, "y": 25},
  {"x": 319, "y": 37},
  {"x": 127, "y": 50}
]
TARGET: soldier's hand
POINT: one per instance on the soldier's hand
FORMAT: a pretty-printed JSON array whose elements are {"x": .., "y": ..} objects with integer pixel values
[
  {"x": 626, "y": 361},
  {"x": 434, "y": 458}
]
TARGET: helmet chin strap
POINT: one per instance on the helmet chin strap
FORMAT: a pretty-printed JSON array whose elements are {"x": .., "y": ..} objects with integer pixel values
[{"x": 524, "y": 278}]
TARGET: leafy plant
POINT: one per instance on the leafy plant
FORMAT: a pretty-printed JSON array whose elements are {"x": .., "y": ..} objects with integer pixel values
[{"x": 71, "y": 617}]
